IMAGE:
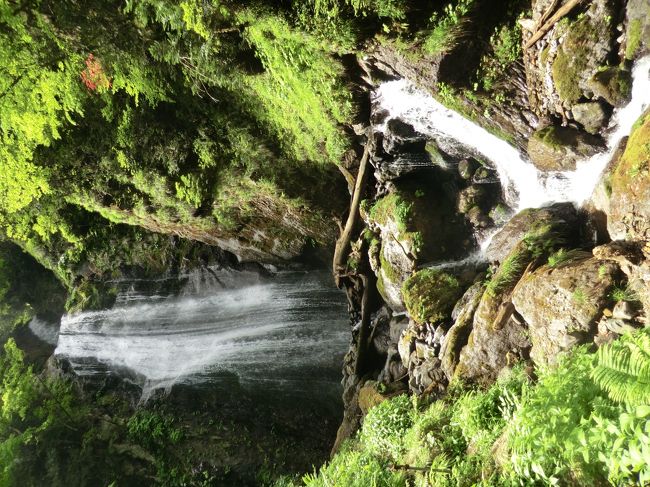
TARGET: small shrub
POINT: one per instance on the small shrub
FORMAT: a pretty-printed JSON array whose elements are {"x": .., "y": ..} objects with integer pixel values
[
  {"x": 507, "y": 273},
  {"x": 623, "y": 293},
  {"x": 449, "y": 26},
  {"x": 385, "y": 425},
  {"x": 563, "y": 256}
]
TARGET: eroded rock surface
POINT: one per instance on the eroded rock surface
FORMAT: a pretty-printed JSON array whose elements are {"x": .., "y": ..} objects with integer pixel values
[{"x": 561, "y": 305}]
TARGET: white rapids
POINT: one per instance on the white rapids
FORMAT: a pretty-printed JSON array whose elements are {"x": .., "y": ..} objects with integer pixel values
[
  {"x": 524, "y": 185},
  {"x": 289, "y": 328}
]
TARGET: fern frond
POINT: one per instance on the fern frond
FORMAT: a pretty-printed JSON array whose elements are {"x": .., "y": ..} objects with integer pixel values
[{"x": 623, "y": 368}]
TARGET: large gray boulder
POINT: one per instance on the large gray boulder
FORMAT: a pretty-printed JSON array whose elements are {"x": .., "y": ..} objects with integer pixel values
[{"x": 562, "y": 304}]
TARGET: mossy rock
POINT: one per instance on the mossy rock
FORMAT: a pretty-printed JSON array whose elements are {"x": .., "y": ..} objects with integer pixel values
[
  {"x": 430, "y": 295},
  {"x": 612, "y": 84},
  {"x": 629, "y": 215},
  {"x": 420, "y": 213},
  {"x": 637, "y": 29},
  {"x": 417, "y": 223}
]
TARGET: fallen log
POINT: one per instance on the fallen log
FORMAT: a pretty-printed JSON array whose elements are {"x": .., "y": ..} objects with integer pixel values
[{"x": 342, "y": 247}]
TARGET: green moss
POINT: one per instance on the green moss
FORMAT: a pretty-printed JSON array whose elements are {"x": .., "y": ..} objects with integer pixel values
[
  {"x": 388, "y": 270},
  {"x": 633, "y": 38},
  {"x": 564, "y": 77},
  {"x": 549, "y": 136},
  {"x": 392, "y": 206},
  {"x": 634, "y": 164},
  {"x": 429, "y": 295},
  {"x": 573, "y": 57}
]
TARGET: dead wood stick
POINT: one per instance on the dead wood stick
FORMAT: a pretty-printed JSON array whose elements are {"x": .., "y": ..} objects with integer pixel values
[
  {"x": 343, "y": 243},
  {"x": 562, "y": 11},
  {"x": 546, "y": 15},
  {"x": 420, "y": 469}
]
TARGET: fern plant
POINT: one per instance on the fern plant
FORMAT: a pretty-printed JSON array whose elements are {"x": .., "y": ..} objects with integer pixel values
[{"x": 623, "y": 369}]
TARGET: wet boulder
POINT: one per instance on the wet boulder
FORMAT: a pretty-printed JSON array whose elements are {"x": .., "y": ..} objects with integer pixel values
[
  {"x": 559, "y": 220},
  {"x": 457, "y": 336},
  {"x": 467, "y": 168},
  {"x": 584, "y": 46},
  {"x": 498, "y": 337},
  {"x": 556, "y": 148},
  {"x": 400, "y": 136},
  {"x": 633, "y": 257},
  {"x": 472, "y": 196},
  {"x": 562, "y": 304},
  {"x": 593, "y": 116}
]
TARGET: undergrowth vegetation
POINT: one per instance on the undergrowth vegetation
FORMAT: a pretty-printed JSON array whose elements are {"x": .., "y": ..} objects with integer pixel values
[{"x": 583, "y": 421}]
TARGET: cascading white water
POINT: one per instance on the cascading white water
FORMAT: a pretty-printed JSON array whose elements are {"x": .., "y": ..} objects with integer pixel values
[
  {"x": 524, "y": 185},
  {"x": 290, "y": 328}
]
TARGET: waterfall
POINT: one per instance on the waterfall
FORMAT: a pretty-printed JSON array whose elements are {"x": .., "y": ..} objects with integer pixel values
[
  {"x": 523, "y": 184},
  {"x": 291, "y": 328}
]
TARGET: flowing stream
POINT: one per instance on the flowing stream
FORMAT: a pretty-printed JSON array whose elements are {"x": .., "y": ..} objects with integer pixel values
[
  {"x": 524, "y": 185},
  {"x": 284, "y": 332}
]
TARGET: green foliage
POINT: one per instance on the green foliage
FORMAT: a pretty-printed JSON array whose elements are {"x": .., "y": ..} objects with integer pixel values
[
  {"x": 392, "y": 206},
  {"x": 390, "y": 9},
  {"x": 299, "y": 74},
  {"x": 434, "y": 439},
  {"x": 354, "y": 468},
  {"x": 153, "y": 429},
  {"x": 565, "y": 429},
  {"x": 568, "y": 428},
  {"x": 36, "y": 102},
  {"x": 563, "y": 256},
  {"x": 385, "y": 425},
  {"x": 623, "y": 369},
  {"x": 429, "y": 295},
  {"x": 579, "y": 296},
  {"x": 507, "y": 274},
  {"x": 623, "y": 293},
  {"x": 543, "y": 431},
  {"x": 448, "y": 27}
]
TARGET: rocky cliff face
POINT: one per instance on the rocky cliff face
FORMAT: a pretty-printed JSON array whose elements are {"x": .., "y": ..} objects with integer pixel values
[{"x": 552, "y": 277}]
